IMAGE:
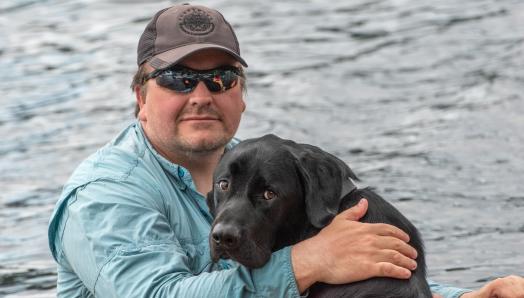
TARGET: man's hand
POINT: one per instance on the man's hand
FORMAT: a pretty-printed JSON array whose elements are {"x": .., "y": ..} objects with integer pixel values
[
  {"x": 347, "y": 251},
  {"x": 508, "y": 287}
]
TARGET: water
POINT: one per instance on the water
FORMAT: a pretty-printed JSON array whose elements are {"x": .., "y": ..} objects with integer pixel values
[{"x": 424, "y": 99}]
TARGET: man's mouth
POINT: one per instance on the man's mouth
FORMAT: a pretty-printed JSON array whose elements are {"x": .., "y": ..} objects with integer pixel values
[{"x": 199, "y": 118}]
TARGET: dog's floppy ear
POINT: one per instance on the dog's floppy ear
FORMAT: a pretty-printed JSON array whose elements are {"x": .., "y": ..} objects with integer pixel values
[{"x": 325, "y": 177}]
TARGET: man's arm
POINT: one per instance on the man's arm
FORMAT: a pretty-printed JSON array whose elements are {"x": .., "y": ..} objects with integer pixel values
[
  {"x": 120, "y": 246},
  {"x": 443, "y": 291}
]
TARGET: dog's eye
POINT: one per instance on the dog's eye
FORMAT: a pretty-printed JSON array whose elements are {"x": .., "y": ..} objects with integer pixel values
[
  {"x": 269, "y": 195},
  {"x": 223, "y": 184}
]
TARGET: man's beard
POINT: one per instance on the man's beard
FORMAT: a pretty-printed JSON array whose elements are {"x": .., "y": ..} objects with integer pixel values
[{"x": 202, "y": 147}]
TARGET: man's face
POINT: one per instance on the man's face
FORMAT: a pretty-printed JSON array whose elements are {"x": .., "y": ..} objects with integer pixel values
[{"x": 192, "y": 123}]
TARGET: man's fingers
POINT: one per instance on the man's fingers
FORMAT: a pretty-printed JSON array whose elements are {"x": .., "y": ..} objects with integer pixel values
[
  {"x": 356, "y": 212},
  {"x": 398, "y": 245},
  {"x": 389, "y": 230},
  {"x": 390, "y": 270},
  {"x": 398, "y": 259}
]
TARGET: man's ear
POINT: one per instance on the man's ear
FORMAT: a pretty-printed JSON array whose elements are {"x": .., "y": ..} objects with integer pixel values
[
  {"x": 323, "y": 176},
  {"x": 141, "y": 101}
]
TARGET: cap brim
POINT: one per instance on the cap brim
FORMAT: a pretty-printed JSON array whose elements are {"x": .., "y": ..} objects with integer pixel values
[{"x": 173, "y": 56}]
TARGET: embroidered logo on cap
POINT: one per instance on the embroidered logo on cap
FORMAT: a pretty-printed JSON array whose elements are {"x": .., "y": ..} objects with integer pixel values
[{"x": 195, "y": 21}]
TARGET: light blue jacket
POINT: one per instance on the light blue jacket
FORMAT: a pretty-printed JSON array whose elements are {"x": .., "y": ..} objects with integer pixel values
[{"x": 129, "y": 223}]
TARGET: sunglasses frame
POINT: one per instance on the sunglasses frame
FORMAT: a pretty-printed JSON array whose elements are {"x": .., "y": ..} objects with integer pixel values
[{"x": 205, "y": 76}]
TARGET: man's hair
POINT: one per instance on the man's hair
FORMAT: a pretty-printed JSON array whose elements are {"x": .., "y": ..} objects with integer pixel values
[{"x": 139, "y": 80}]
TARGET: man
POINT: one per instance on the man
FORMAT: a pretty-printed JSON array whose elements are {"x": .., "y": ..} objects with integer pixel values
[{"x": 132, "y": 220}]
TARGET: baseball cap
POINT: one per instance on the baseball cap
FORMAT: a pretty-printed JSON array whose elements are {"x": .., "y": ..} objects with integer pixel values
[{"x": 180, "y": 30}]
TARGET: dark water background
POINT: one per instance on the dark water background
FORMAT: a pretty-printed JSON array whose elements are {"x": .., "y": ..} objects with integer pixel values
[{"x": 423, "y": 98}]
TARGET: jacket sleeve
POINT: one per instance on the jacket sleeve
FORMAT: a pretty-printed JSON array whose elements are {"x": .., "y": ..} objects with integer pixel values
[
  {"x": 120, "y": 245},
  {"x": 446, "y": 291}
]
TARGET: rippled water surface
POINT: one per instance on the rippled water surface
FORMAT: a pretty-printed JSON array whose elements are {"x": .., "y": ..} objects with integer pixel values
[{"x": 424, "y": 99}]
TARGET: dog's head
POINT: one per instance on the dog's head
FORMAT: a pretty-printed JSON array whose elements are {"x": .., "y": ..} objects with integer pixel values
[{"x": 267, "y": 189}]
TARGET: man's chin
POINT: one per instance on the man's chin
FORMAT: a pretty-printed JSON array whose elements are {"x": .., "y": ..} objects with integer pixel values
[{"x": 202, "y": 143}]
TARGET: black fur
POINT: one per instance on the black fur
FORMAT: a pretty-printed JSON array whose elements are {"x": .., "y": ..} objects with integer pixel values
[{"x": 310, "y": 187}]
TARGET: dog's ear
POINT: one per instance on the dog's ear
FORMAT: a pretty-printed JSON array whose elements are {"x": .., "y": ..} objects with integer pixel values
[{"x": 324, "y": 177}]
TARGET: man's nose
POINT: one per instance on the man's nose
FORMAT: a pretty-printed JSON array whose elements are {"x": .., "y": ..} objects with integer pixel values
[{"x": 200, "y": 95}]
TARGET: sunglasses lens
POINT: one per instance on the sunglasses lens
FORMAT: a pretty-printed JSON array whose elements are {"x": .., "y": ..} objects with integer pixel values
[
  {"x": 185, "y": 81},
  {"x": 177, "y": 83},
  {"x": 221, "y": 81},
  {"x": 229, "y": 79}
]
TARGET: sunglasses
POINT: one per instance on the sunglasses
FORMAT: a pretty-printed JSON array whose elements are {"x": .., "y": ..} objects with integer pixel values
[{"x": 184, "y": 80}]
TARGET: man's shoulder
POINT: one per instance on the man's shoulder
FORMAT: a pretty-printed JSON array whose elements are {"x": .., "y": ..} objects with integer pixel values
[
  {"x": 115, "y": 161},
  {"x": 120, "y": 169}
]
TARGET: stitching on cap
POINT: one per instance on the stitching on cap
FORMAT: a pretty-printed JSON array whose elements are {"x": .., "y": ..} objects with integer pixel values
[{"x": 196, "y": 21}]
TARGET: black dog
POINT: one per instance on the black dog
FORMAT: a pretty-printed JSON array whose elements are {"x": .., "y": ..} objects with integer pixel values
[{"x": 269, "y": 193}]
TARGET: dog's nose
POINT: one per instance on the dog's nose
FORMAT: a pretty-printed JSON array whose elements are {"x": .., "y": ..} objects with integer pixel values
[{"x": 226, "y": 235}]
